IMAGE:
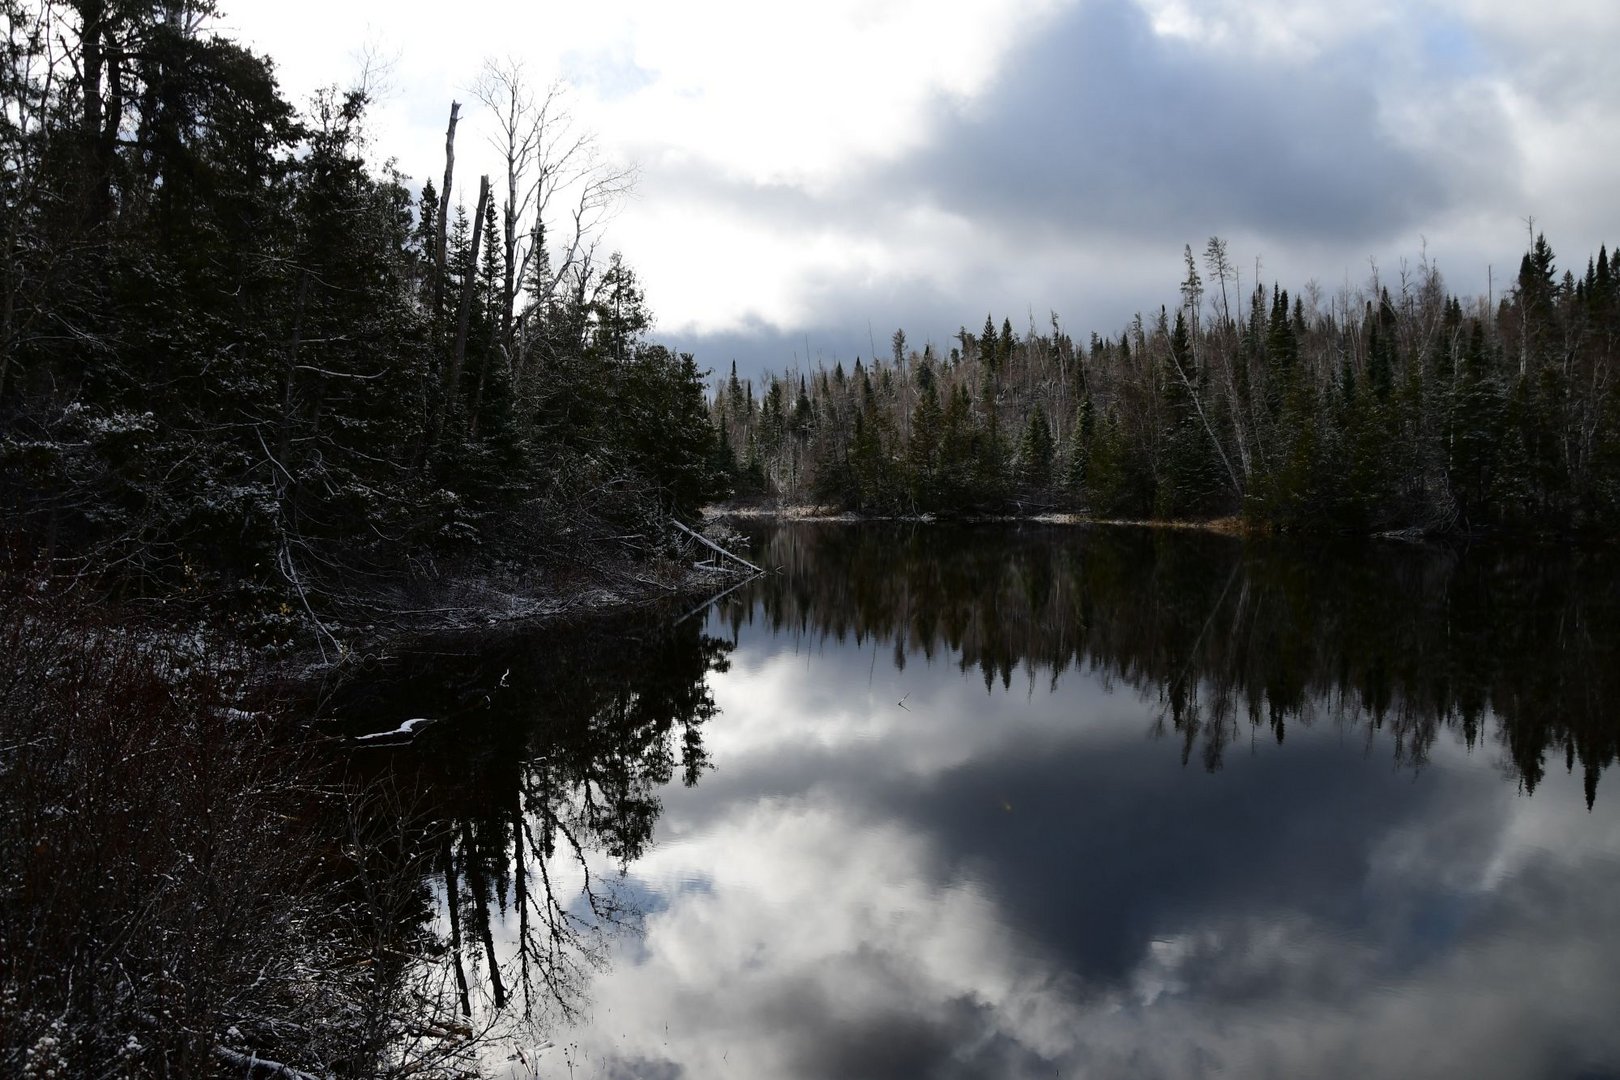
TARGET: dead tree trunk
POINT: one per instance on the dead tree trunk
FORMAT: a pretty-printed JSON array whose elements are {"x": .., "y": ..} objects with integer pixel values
[
  {"x": 458, "y": 356},
  {"x": 444, "y": 212}
]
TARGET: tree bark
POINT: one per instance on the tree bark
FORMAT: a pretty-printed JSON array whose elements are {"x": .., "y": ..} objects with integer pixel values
[
  {"x": 8, "y": 313},
  {"x": 468, "y": 288},
  {"x": 444, "y": 211},
  {"x": 510, "y": 283},
  {"x": 92, "y": 27}
]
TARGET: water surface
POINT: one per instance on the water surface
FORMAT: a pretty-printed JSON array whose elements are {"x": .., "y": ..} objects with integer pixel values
[{"x": 1008, "y": 802}]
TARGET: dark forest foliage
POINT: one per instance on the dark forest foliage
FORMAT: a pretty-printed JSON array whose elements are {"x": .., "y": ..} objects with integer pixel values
[
  {"x": 1396, "y": 407},
  {"x": 230, "y": 364}
]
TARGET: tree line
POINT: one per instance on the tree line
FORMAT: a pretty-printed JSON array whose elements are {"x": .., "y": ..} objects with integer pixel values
[
  {"x": 1504, "y": 646},
  {"x": 240, "y": 361},
  {"x": 1395, "y": 406}
]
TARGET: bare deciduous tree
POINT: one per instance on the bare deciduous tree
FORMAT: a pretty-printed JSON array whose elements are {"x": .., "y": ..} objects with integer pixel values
[{"x": 552, "y": 169}]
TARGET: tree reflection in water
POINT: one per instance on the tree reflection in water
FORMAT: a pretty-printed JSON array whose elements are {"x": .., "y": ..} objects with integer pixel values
[
  {"x": 1520, "y": 645},
  {"x": 543, "y": 775},
  {"x": 543, "y": 783}
]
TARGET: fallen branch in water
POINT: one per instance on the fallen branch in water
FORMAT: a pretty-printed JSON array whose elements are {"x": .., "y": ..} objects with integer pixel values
[{"x": 706, "y": 542}]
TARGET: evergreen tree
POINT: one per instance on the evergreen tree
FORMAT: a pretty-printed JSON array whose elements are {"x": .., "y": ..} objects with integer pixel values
[
  {"x": 954, "y": 481},
  {"x": 1078, "y": 465},
  {"x": 923, "y": 459},
  {"x": 1476, "y": 432},
  {"x": 1186, "y": 481},
  {"x": 989, "y": 355},
  {"x": 1035, "y": 453},
  {"x": 989, "y": 467}
]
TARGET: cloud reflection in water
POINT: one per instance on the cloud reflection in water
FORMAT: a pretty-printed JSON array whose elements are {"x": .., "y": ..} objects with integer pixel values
[{"x": 1016, "y": 881}]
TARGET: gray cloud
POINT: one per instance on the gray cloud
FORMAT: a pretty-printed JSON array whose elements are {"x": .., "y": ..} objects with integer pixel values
[
  {"x": 857, "y": 319},
  {"x": 1102, "y": 127},
  {"x": 1102, "y": 140}
]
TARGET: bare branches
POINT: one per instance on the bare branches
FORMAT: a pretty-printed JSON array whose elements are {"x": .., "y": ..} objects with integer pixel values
[{"x": 551, "y": 169}]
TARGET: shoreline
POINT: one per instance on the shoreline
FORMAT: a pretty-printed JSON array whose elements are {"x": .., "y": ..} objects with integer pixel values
[
  {"x": 1230, "y": 525},
  {"x": 498, "y": 604}
]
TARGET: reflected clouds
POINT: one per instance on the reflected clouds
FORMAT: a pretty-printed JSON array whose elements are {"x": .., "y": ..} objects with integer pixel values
[
  {"x": 831, "y": 940},
  {"x": 995, "y": 802},
  {"x": 1015, "y": 882}
]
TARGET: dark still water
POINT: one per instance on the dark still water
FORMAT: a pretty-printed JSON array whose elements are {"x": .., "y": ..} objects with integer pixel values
[{"x": 1034, "y": 802}]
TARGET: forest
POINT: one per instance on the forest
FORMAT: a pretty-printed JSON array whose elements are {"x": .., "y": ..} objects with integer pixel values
[
  {"x": 244, "y": 366},
  {"x": 1393, "y": 407}
]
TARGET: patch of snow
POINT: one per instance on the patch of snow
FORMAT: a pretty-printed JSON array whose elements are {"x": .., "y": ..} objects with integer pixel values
[{"x": 408, "y": 730}]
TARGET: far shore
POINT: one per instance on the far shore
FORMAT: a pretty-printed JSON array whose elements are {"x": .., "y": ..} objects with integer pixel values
[{"x": 1228, "y": 526}]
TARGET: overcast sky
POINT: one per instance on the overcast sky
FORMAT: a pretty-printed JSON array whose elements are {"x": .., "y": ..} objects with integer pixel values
[{"x": 813, "y": 176}]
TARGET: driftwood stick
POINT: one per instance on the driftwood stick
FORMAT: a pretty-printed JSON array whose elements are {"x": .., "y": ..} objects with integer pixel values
[{"x": 706, "y": 542}]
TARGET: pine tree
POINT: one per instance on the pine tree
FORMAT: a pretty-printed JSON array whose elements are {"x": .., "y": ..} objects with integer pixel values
[
  {"x": 1035, "y": 453},
  {"x": 954, "y": 479},
  {"x": 1476, "y": 432},
  {"x": 989, "y": 475},
  {"x": 1186, "y": 480},
  {"x": 1078, "y": 465},
  {"x": 923, "y": 456}
]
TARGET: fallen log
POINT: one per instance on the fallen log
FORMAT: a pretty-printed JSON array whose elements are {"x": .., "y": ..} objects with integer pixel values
[
  {"x": 254, "y": 1067},
  {"x": 706, "y": 542}
]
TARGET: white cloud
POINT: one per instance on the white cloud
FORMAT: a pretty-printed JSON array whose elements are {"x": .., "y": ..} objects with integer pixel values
[{"x": 1276, "y": 29}]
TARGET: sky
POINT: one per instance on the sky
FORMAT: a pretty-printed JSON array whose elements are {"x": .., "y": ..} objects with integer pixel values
[{"x": 812, "y": 177}]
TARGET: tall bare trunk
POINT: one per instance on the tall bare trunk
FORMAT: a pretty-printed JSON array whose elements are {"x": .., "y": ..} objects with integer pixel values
[
  {"x": 468, "y": 288},
  {"x": 444, "y": 210},
  {"x": 92, "y": 28},
  {"x": 510, "y": 284},
  {"x": 8, "y": 311}
]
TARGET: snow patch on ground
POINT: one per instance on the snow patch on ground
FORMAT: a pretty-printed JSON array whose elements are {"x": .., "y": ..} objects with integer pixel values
[{"x": 406, "y": 731}]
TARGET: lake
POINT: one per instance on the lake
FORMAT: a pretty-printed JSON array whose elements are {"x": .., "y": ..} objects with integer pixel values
[{"x": 1036, "y": 801}]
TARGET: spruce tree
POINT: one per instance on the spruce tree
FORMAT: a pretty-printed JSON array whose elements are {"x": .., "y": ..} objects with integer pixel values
[
  {"x": 1476, "y": 433},
  {"x": 1035, "y": 453},
  {"x": 1078, "y": 463},
  {"x": 923, "y": 452}
]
